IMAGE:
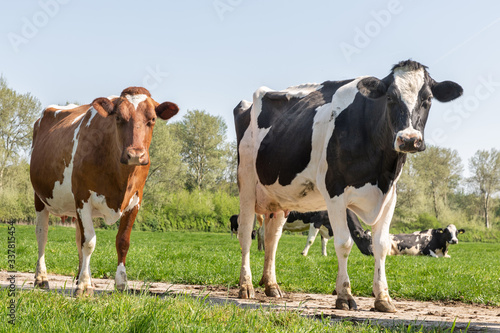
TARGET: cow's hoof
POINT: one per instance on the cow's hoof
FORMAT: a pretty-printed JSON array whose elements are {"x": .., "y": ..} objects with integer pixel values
[
  {"x": 334, "y": 292},
  {"x": 246, "y": 291},
  {"x": 346, "y": 304},
  {"x": 121, "y": 286},
  {"x": 273, "y": 290},
  {"x": 383, "y": 305},
  {"x": 87, "y": 292},
  {"x": 42, "y": 284}
]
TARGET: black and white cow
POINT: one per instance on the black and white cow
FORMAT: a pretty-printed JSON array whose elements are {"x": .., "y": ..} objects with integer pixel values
[
  {"x": 334, "y": 145},
  {"x": 314, "y": 222},
  {"x": 430, "y": 242}
]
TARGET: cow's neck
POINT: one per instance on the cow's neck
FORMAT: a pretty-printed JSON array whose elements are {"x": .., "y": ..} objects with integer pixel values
[{"x": 392, "y": 161}]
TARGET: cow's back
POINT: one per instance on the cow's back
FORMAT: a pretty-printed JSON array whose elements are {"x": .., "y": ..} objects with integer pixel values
[{"x": 52, "y": 156}]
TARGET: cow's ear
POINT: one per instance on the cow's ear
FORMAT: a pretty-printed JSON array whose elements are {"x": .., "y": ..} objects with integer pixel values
[
  {"x": 461, "y": 231},
  {"x": 103, "y": 106},
  {"x": 446, "y": 91},
  {"x": 372, "y": 87},
  {"x": 166, "y": 110},
  {"x": 440, "y": 230}
]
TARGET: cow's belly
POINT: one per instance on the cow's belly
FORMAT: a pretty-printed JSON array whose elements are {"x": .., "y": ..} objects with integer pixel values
[
  {"x": 301, "y": 197},
  {"x": 63, "y": 204}
]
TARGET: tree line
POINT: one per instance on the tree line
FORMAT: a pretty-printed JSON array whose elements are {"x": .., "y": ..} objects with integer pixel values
[{"x": 192, "y": 182}]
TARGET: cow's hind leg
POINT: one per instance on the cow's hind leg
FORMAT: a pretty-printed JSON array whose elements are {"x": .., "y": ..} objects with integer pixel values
[
  {"x": 42, "y": 229},
  {"x": 273, "y": 230},
  {"x": 87, "y": 245},
  {"x": 313, "y": 232},
  {"x": 343, "y": 244},
  {"x": 122, "y": 246},
  {"x": 245, "y": 238}
]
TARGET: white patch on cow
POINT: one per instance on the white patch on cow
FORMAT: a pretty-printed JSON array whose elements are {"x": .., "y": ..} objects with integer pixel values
[
  {"x": 134, "y": 201},
  {"x": 454, "y": 232},
  {"x": 136, "y": 99},
  {"x": 93, "y": 113},
  {"x": 62, "y": 107},
  {"x": 100, "y": 208},
  {"x": 88, "y": 247},
  {"x": 78, "y": 118},
  {"x": 121, "y": 277},
  {"x": 302, "y": 90},
  {"x": 409, "y": 84}
]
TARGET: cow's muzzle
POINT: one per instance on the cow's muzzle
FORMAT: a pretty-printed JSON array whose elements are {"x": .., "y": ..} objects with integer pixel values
[
  {"x": 409, "y": 142},
  {"x": 135, "y": 156}
]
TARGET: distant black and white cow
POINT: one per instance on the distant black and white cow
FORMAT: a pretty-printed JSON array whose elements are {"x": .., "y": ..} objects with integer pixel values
[
  {"x": 334, "y": 145},
  {"x": 430, "y": 242},
  {"x": 314, "y": 222}
]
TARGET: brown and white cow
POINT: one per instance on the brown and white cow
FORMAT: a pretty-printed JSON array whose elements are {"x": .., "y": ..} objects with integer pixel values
[{"x": 92, "y": 161}]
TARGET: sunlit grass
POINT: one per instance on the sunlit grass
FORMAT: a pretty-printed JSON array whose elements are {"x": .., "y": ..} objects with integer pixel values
[{"x": 471, "y": 275}]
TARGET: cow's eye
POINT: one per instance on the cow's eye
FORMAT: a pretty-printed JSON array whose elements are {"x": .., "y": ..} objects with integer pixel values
[{"x": 152, "y": 122}]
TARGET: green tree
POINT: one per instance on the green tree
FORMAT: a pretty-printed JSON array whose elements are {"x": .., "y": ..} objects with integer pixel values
[
  {"x": 167, "y": 172},
  {"x": 439, "y": 172},
  {"x": 202, "y": 137},
  {"x": 485, "y": 180},
  {"x": 18, "y": 112}
]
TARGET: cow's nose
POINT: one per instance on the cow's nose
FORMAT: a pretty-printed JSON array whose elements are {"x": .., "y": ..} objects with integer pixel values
[
  {"x": 136, "y": 156},
  {"x": 409, "y": 144}
]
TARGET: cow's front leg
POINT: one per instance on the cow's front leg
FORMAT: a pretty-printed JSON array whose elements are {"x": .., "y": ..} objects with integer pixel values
[
  {"x": 343, "y": 245},
  {"x": 313, "y": 232},
  {"x": 122, "y": 246},
  {"x": 273, "y": 230},
  {"x": 381, "y": 247},
  {"x": 42, "y": 228},
  {"x": 87, "y": 245}
]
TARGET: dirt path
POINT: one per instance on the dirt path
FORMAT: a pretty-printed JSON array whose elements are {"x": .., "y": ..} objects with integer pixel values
[{"x": 482, "y": 318}]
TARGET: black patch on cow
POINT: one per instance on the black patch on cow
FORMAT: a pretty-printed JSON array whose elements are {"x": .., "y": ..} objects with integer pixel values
[
  {"x": 286, "y": 149},
  {"x": 360, "y": 149},
  {"x": 241, "y": 122}
]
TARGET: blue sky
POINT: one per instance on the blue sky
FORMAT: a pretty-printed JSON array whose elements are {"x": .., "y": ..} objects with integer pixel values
[{"x": 210, "y": 54}]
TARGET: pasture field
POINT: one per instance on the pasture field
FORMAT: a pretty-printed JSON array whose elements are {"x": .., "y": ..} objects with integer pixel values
[
  {"x": 39, "y": 311},
  {"x": 471, "y": 275}
]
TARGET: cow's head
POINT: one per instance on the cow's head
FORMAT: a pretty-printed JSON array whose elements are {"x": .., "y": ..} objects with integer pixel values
[
  {"x": 135, "y": 114},
  {"x": 451, "y": 233},
  {"x": 409, "y": 90}
]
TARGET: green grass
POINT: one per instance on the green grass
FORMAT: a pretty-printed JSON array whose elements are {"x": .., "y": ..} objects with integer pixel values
[
  {"x": 471, "y": 275},
  {"x": 39, "y": 311}
]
